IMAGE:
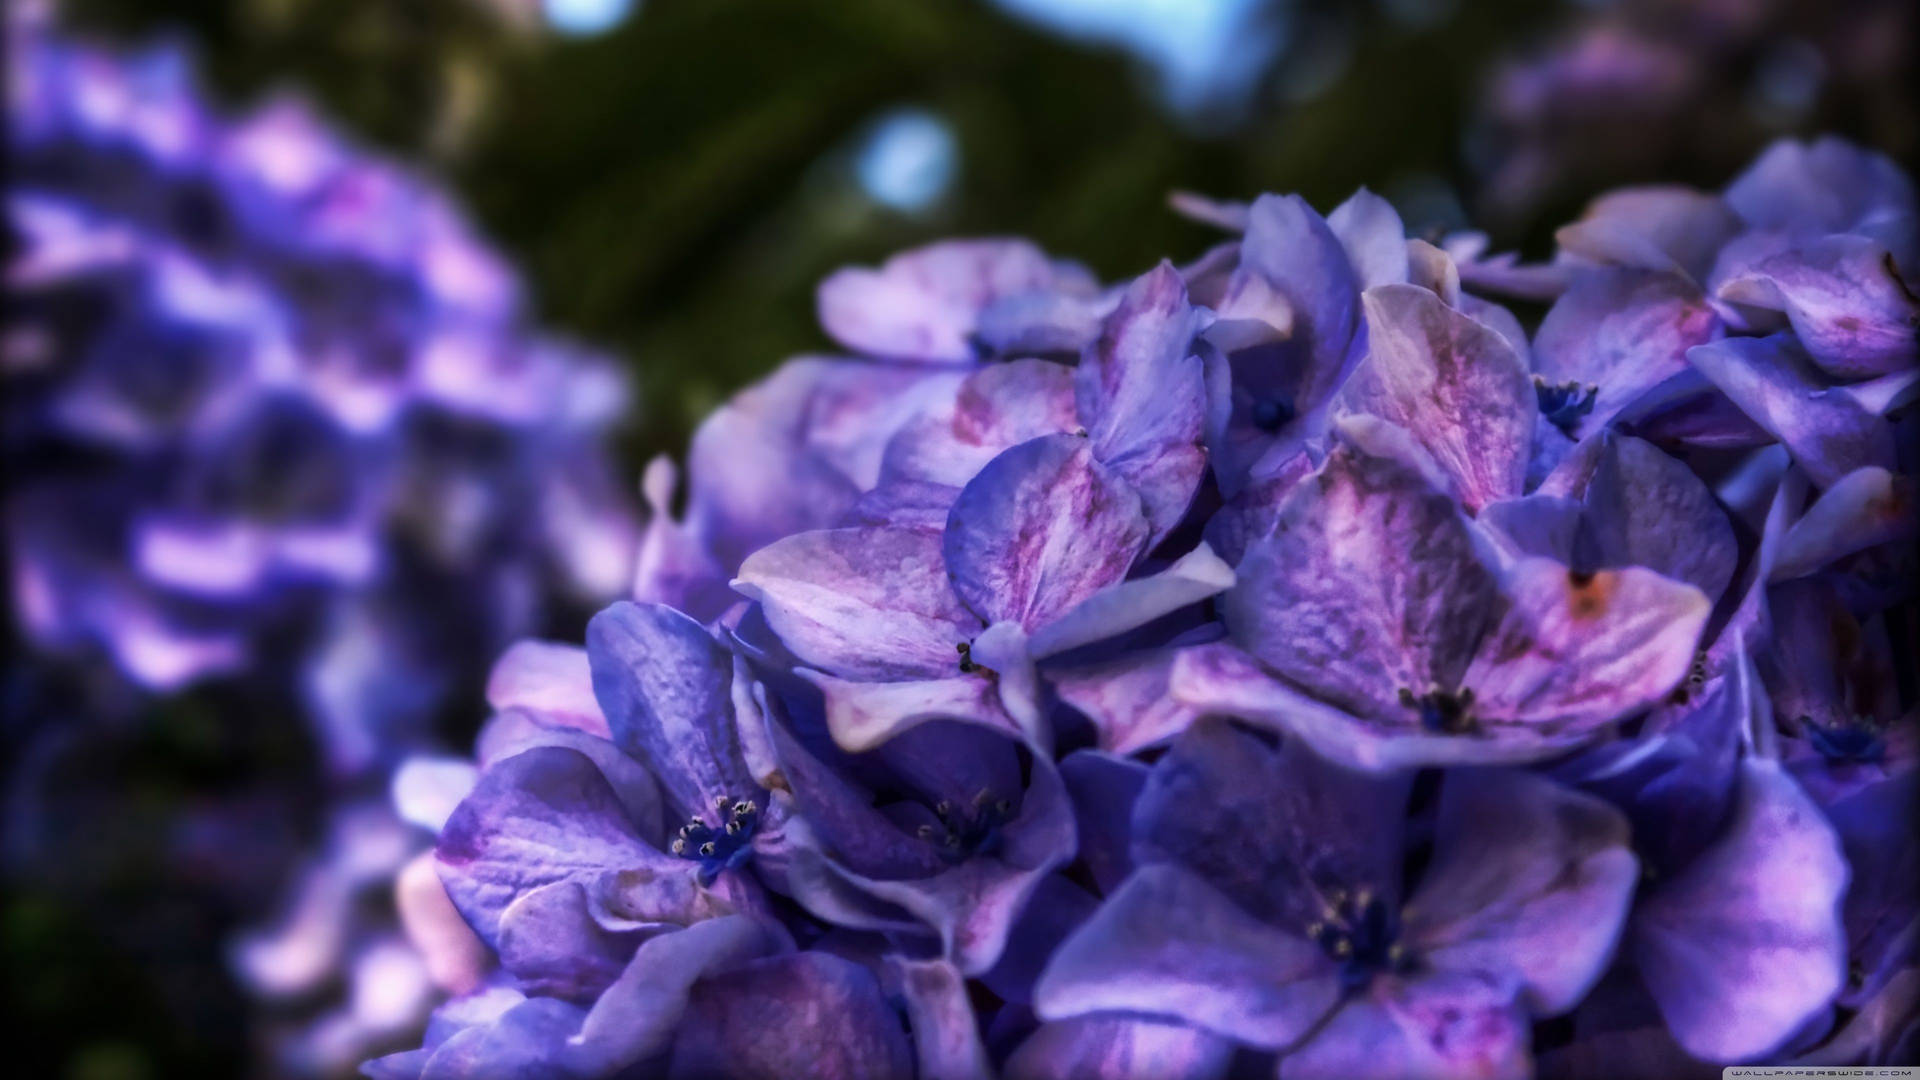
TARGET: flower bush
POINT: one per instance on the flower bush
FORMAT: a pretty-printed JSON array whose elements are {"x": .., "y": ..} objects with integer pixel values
[
  {"x": 1295, "y": 660},
  {"x": 279, "y": 423}
]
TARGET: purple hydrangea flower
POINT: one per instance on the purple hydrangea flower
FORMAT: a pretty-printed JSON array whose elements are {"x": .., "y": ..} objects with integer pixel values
[
  {"x": 261, "y": 387},
  {"x": 1286, "y": 661}
]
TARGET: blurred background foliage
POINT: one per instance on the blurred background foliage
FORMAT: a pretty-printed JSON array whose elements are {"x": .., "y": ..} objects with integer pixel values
[{"x": 674, "y": 187}]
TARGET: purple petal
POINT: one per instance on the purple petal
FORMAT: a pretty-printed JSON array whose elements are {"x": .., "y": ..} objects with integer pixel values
[
  {"x": 1771, "y": 380},
  {"x": 973, "y": 906},
  {"x": 1221, "y": 680},
  {"x": 544, "y": 816},
  {"x": 1457, "y": 386},
  {"x": 840, "y": 818},
  {"x": 1657, "y": 227},
  {"x": 1170, "y": 945},
  {"x": 1118, "y": 1048},
  {"x": 551, "y": 679},
  {"x": 1623, "y": 332},
  {"x": 455, "y": 957},
  {"x": 673, "y": 566},
  {"x": 553, "y": 946},
  {"x": 1041, "y": 323},
  {"x": 1370, "y": 582},
  {"x": 1825, "y": 186},
  {"x": 997, "y": 407},
  {"x": 1528, "y": 879},
  {"x": 1436, "y": 1027},
  {"x": 639, "y": 1015},
  {"x": 667, "y": 688},
  {"x": 809, "y": 1016},
  {"x": 924, "y": 304},
  {"x": 1846, "y": 301},
  {"x": 1128, "y": 605},
  {"x": 792, "y": 452},
  {"x": 1104, "y": 790},
  {"x": 863, "y": 715},
  {"x": 1863, "y": 509},
  {"x": 1369, "y": 229},
  {"x": 1142, "y": 396},
  {"x": 1272, "y": 829},
  {"x": 1746, "y": 944},
  {"x": 1576, "y": 651},
  {"x": 1041, "y": 528},
  {"x": 870, "y": 604},
  {"x": 1127, "y": 700},
  {"x": 1293, "y": 249},
  {"x": 1647, "y": 509}
]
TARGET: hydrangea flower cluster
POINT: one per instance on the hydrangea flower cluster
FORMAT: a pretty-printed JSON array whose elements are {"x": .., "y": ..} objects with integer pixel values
[
  {"x": 1286, "y": 661},
  {"x": 273, "y": 408}
]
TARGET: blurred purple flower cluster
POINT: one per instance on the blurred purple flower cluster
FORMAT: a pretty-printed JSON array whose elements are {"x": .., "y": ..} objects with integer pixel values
[
  {"x": 276, "y": 420},
  {"x": 273, "y": 409},
  {"x": 1284, "y": 661},
  {"x": 1635, "y": 88}
]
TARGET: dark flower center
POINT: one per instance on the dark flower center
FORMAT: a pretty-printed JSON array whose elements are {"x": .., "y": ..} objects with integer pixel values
[
  {"x": 1854, "y": 743},
  {"x": 966, "y": 831},
  {"x": 1564, "y": 403},
  {"x": 725, "y": 848},
  {"x": 1361, "y": 934},
  {"x": 967, "y": 664},
  {"x": 1272, "y": 413},
  {"x": 1444, "y": 712}
]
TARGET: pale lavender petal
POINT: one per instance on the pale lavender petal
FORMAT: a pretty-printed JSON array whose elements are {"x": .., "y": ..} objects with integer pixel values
[
  {"x": 1746, "y": 944},
  {"x": 1369, "y": 229},
  {"x": 1771, "y": 380},
  {"x": 455, "y": 957},
  {"x": 1846, "y": 301},
  {"x": 1576, "y": 650},
  {"x": 1143, "y": 398},
  {"x": 1528, "y": 878},
  {"x": 1128, "y": 605},
  {"x": 997, "y": 407},
  {"x": 1040, "y": 529},
  {"x": 863, "y": 715},
  {"x": 1456, "y": 385},
  {"x": 1621, "y": 332},
  {"x": 866, "y": 603},
  {"x": 924, "y": 304},
  {"x": 1119, "y": 1048},
  {"x": 1656, "y": 227},
  {"x": 550, "y": 678},
  {"x": 1169, "y": 945}
]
